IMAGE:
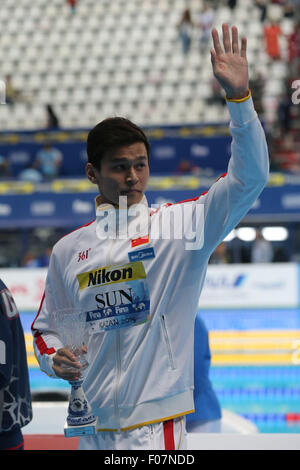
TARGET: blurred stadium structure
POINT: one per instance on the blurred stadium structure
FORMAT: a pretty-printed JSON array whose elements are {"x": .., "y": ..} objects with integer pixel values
[
  {"x": 125, "y": 58},
  {"x": 122, "y": 58}
]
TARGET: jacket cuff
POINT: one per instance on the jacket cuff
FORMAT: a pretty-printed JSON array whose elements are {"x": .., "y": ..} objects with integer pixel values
[
  {"x": 241, "y": 111},
  {"x": 46, "y": 365}
]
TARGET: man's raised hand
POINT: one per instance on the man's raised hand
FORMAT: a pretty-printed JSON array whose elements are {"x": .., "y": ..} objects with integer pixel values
[{"x": 230, "y": 64}]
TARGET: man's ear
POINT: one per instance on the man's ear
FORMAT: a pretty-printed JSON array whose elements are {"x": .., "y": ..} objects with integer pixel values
[{"x": 90, "y": 173}]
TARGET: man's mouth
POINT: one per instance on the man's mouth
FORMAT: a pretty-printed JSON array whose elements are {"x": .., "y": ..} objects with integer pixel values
[{"x": 124, "y": 192}]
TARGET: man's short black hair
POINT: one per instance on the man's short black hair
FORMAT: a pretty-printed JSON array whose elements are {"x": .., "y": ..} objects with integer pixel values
[{"x": 111, "y": 134}]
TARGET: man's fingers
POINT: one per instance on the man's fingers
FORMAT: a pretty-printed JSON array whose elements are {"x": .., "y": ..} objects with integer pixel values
[
  {"x": 213, "y": 56},
  {"x": 65, "y": 358},
  {"x": 66, "y": 373},
  {"x": 235, "y": 40},
  {"x": 229, "y": 45},
  {"x": 66, "y": 365},
  {"x": 216, "y": 41},
  {"x": 226, "y": 38},
  {"x": 244, "y": 47}
]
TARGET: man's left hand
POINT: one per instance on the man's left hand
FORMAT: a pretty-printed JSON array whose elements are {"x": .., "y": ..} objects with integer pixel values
[{"x": 230, "y": 65}]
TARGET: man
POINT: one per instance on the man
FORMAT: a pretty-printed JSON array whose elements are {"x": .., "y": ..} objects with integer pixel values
[
  {"x": 262, "y": 249},
  {"x": 140, "y": 380},
  {"x": 5, "y": 170},
  {"x": 206, "y": 21},
  {"x": 15, "y": 397},
  {"x": 49, "y": 161}
]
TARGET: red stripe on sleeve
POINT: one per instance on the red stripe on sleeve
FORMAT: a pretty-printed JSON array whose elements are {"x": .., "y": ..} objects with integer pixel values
[
  {"x": 43, "y": 298},
  {"x": 192, "y": 199},
  {"x": 39, "y": 341},
  {"x": 42, "y": 346},
  {"x": 169, "y": 435}
]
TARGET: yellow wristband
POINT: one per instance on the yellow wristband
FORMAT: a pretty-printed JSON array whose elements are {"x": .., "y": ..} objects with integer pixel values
[{"x": 240, "y": 100}]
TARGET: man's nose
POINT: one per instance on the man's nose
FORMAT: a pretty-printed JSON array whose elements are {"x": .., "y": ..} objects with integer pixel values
[{"x": 132, "y": 177}]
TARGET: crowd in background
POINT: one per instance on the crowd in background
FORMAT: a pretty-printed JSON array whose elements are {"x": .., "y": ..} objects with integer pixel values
[{"x": 284, "y": 130}]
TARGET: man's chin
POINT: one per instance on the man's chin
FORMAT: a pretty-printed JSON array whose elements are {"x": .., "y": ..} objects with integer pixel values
[{"x": 134, "y": 197}]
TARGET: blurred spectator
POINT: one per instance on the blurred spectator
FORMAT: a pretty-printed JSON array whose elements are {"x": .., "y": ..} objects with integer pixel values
[
  {"x": 72, "y": 4},
  {"x": 217, "y": 95},
  {"x": 262, "y": 5},
  {"x": 52, "y": 119},
  {"x": 12, "y": 95},
  {"x": 5, "y": 170},
  {"x": 262, "y": 250},
  {"x": 185, "y": 28},
  {"x": 206, "y": 23},
  {"x": 48, "y": 161},
  {"x": 294, "y": 42},
  {"x": 284, "y": 113},
  {"x": 288, "y": 157},
  {"x": 296, "y": 4},
  {"x": 45, "y": 257},
  {"x": 232, "y": 4},
  {"x": 30, "y": 174},
  {"x": 30, "y": 261},
  {"x": 256, "y": 85},
  {"x": 220, "y": 255},
  {"x": 288, "y": 9},
  {"x": 185, "y": 167},
  {"x": 294, "y": 50},
  {"x": 272, "y": 32}
]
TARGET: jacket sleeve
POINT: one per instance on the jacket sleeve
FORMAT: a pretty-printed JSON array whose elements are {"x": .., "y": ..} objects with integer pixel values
[
  {"x": 231, "y": 197},
  {"x": 46, "y": 340}
]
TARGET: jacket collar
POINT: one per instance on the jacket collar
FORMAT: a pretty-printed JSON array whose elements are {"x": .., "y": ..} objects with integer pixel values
[
  {"x": 104, "y": 206},
  {"x": 111, "y": 221}
]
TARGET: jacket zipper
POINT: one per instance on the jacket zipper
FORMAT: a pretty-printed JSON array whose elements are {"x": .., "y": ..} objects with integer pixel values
[
  {"x": 167, "y": 341},
  {"x": 118, "y": 353},
  {"x": 118, "y": 376},
  {"x": 151, "y": 435}
]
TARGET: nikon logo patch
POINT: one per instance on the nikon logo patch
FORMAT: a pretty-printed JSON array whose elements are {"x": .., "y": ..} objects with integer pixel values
[{"x": 111, "y": 275}]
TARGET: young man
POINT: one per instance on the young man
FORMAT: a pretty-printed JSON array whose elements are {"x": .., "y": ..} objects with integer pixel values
[
  {"x": 15, "y": 397},
  {"x": 141, "y": 378}
]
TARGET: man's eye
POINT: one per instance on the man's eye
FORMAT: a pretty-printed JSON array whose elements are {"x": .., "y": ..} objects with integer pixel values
[{"x": 119, "y": 167}]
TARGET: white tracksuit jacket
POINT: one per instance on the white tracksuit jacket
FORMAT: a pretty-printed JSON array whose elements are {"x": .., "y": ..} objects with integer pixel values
[{"x": 141, "y": 295}]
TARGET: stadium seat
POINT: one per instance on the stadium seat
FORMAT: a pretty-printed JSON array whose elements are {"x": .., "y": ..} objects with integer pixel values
[{"x": 115, "y": 53}]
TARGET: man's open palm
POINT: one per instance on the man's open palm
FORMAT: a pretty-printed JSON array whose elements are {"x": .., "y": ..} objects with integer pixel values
[{"x": 230, "y": 64}]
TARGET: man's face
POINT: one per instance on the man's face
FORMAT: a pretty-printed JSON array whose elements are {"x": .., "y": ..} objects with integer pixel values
[{"x": 124, "y": 172}]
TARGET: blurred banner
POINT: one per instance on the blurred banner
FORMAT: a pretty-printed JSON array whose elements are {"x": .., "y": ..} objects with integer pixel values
[
  {"x": 26, "y": 285},
  {"x": 273, "y": 285},
  {"x": 205, "y": 146},
  {"x": 70, "y": 203}
]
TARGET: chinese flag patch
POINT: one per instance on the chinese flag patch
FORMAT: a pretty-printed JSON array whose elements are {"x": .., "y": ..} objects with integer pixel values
[{"x": 140, "y": 241}]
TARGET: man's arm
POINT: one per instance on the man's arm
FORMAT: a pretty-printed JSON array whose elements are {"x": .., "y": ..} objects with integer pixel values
[
  {"x": 50, "y": 353},
  {"x": 231, "y": 197}
]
